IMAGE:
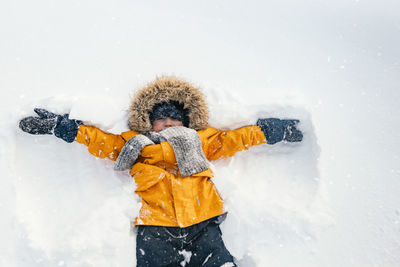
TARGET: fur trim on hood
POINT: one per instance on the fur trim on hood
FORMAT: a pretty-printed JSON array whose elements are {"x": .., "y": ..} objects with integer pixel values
[{"x": 165, "y": 89}]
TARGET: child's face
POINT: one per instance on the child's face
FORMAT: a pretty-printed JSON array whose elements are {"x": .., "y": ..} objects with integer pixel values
[{"x": 161, "y": 124}]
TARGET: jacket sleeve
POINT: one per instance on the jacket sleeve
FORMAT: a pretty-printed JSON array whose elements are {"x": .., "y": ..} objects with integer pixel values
[
  {"x": 99, "y": 143},
  {"x": 219, "y": 144}
]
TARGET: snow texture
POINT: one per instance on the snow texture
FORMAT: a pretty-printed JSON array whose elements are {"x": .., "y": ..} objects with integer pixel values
[
  {"x": 331, "y": 200},
  {"x": 187, "y": 255}
]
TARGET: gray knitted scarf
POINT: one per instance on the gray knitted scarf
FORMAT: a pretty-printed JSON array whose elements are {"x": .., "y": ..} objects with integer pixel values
[{"x": 184, "y": 141}]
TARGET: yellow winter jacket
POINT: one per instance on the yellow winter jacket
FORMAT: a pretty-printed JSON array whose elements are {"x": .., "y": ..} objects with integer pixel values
[{"x": 167, "y": 198}]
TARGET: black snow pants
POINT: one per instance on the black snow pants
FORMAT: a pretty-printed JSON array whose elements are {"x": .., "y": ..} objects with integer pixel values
[{"x": 194, "y": 246}]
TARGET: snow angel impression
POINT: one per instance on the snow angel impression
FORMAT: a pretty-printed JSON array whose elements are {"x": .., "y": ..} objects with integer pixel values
[{"x": 167, "y": 152}]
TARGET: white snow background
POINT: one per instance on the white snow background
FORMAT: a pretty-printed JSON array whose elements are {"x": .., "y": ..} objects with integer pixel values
[{"x": 332, "y": 200}]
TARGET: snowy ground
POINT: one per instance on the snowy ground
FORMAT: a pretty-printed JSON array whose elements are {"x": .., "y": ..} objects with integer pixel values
[{"x": 330, "y": 201}]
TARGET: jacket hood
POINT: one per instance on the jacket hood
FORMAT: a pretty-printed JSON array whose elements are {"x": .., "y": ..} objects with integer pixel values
[{"x": 165, "y": 89}]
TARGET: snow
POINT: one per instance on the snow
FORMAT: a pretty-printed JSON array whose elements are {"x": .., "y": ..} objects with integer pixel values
[
  {"x": 331, "y": 200},
  {"x": 187, "y": 255}
]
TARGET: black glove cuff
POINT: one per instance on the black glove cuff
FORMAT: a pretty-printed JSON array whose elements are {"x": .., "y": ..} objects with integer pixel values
[
  {"x": 66, "y": 128},
  {"x": 273, "y": 129}
]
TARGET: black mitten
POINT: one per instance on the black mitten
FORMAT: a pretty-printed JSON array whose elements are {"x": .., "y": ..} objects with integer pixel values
[
  {"x": 49, "y": 123},
  {"x": 276, "y": 130}
]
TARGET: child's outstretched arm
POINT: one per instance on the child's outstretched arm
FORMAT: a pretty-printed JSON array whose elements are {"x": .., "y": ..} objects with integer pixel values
[
  {"x": 99, "y": 143},
  {"x": 219, "y": 144}
]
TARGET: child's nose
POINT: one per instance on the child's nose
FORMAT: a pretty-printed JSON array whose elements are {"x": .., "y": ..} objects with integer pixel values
[{"x": 168, "y": 122}]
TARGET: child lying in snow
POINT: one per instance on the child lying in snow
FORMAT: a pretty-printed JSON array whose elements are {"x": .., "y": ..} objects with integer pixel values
[{"x": 167, "y": 153}]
